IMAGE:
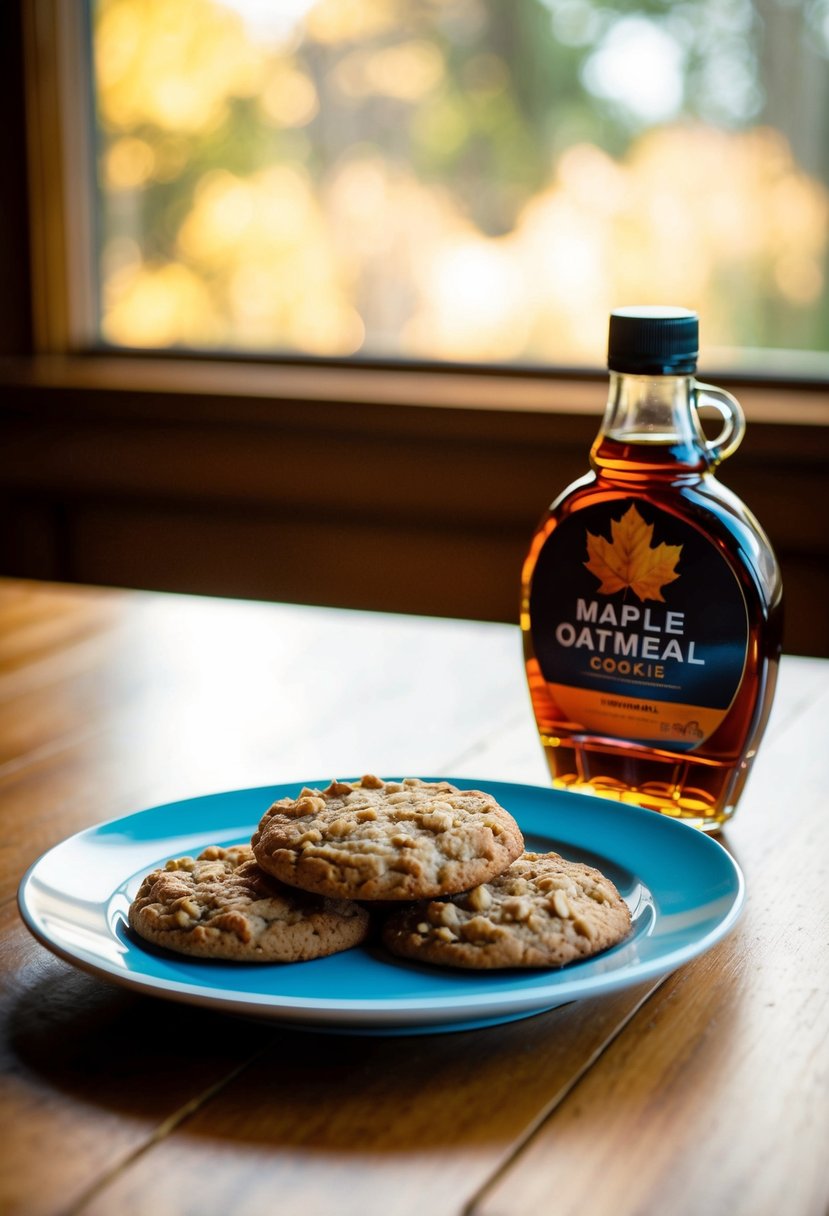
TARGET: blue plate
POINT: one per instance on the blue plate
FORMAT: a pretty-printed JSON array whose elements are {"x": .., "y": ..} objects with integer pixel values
[{"x": 683, "y": 889}]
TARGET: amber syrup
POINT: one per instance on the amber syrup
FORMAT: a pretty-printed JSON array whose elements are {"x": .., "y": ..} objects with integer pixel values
[{"x": 651, "y": 454}]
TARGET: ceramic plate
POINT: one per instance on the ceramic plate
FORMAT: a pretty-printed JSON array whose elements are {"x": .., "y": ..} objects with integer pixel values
[{"x": 683, "y": 889}]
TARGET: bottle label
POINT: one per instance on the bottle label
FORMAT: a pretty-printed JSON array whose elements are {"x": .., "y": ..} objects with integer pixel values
[{"x": 639, "y": 625}]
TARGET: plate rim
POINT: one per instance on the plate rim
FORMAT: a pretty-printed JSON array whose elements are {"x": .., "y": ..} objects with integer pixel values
[{"x": 376, "y": 1013}]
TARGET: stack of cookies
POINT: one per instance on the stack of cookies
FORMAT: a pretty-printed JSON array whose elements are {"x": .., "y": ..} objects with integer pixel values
[{"x": 442, "y": 870}]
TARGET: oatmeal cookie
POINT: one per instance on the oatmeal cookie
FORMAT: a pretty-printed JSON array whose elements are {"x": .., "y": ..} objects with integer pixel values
[
  {"x": 542, "y": 912},
  {"x": 382, "y": 840},
  {"x": 222, "y": 905}
]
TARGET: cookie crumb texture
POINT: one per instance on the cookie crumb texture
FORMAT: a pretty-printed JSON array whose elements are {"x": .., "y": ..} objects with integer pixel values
[
  {"x": 380, "y": 840},
  {"x": 221, "y": 905},
  {"x": 543, "y": 911}
]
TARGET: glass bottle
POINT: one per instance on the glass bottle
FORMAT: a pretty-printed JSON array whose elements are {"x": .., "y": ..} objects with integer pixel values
[{"x": 651, "y": 599}]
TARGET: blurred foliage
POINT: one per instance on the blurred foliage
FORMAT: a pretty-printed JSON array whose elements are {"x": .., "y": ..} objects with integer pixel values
[{"x": 458, "y": 179}]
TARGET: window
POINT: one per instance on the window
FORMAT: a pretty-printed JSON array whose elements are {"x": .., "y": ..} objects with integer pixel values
[
  {"x": 473, "y": 181},
  {"x": 334, "y": 419}
]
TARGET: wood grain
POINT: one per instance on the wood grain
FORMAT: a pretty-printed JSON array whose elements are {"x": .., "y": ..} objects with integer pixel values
[
  {"x": 660, "y": 1098},
  {"x": 715, "y": 1098},
  {"x": 92, "y": 1074},
  {"x": 368, "y": 1127}
]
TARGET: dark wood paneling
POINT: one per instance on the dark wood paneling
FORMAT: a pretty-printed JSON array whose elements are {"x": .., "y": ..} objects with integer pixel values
[
  {"x": 352, "y": 562},
  {"x": 399, "y": 507},
  {"x": 16, "y": 297}
]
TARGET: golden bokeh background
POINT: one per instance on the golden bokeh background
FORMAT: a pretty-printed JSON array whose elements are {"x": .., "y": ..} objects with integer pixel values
[{"x": 432, "y": 180}]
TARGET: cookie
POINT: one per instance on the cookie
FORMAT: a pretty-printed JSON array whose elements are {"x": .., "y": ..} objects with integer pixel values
[
  {"x": 542, "y": 912},
  {"x": 380, "y": 840},
  {"x": 222, "y": 905}
]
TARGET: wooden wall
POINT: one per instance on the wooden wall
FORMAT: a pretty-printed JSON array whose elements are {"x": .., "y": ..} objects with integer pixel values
[{"x": 387, "y": 504}]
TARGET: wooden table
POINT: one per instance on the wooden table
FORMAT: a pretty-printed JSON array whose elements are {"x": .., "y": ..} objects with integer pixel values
[{"x": 704, "y": 1093}]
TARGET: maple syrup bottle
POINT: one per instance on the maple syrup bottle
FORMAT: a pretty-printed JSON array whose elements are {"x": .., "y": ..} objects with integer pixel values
[{"x": 651, "y": 599}]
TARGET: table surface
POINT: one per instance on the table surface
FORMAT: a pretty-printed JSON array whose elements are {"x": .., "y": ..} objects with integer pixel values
[{"x": 703, "y": 1092}]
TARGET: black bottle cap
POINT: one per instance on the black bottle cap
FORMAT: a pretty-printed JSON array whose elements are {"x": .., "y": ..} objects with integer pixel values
[{"x": 653, "y": 341}]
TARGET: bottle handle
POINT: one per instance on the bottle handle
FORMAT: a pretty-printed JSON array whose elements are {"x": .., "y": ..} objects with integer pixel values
[{"x": 734, "y": 423}]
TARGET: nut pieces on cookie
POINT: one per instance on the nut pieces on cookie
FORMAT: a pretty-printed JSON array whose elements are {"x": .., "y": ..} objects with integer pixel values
[
  {"x": 543, "y": 911},
  {"x": 222, "y": 905},
  {"x": 380, "y": 840},
  {"x": 450, "y": 862}
]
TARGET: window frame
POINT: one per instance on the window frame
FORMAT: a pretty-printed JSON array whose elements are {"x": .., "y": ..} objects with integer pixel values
[
  {"x": 63, "y": 345},
  {"x": 58, "y": 123}
]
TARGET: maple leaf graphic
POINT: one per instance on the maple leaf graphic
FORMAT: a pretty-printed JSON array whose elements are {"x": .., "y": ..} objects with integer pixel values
[{"x": 629, "y": 560}]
